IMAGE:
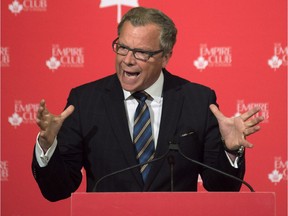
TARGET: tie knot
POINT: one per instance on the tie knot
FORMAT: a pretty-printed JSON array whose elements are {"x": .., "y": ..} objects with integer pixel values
[{"x": 141, "y": 96}]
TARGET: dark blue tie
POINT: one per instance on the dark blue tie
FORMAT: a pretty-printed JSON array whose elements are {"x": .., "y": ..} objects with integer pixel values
[{"x": 142, "y": 133}]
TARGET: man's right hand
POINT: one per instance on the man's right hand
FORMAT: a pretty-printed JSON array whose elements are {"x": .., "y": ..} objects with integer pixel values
[{"x": 50, "y": 124}]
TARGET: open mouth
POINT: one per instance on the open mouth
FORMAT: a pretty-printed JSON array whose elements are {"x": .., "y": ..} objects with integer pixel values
[{"x": 131, "y": 74}]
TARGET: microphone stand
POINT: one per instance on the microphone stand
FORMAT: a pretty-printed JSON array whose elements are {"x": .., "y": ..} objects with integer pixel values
[
  {"x": 175, "y": 147},
  {"x": 171, "y": 161},
  {"x": 129, "y": 168}
]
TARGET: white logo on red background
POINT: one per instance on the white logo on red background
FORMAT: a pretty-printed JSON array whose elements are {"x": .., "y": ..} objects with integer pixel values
[
  {"x": 118, "y": 3},
  {"x": 4, "y": 57},
  {"x": 242, "y": 107},
  {"x": 213, "y": 57},
  {"x": 15, "y": 7},
  {"x": 4, "y": 170},
  {"x": 15, "y": 120},
  {"x": 23, "y": 113},
  {"x": 65, "y": 57},
  {"x": 27, "y": 5},
  {"x": 279, "y": 58},
  {"x": 280, "y": 171},
  {"x": 201, "y": 63},
  {"x": 53, "y": 63}
]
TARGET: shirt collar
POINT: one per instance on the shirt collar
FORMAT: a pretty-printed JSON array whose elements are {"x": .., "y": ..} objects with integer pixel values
[{"x": 155, "y": 90}]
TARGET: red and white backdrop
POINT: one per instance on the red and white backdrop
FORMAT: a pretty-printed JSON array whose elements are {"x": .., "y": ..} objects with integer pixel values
[{"x": 239, "y": 48}]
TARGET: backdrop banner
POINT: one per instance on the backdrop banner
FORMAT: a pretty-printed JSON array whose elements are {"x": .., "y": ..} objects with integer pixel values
[{"x": 238, "y": 48}]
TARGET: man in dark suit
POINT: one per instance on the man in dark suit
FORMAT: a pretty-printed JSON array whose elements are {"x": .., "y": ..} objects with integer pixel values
[{"x": 98, "y": 132}]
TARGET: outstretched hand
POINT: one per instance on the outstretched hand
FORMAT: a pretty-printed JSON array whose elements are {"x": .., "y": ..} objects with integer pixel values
[
  {"x": 50, "y": 124},
  {"x": 234, "y": 130}
]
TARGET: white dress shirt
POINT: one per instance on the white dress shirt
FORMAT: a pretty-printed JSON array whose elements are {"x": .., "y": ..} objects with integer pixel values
[{"x": 154, "y": 105}]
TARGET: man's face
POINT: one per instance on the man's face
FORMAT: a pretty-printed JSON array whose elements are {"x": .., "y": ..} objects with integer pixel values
[{"x": 134, "y": 74}]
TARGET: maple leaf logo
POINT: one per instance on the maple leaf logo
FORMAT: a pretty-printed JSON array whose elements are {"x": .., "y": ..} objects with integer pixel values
[
  {"x": 275, "y": 176},
  {"x": 274, "y": 62},
  {"x": 15, "y": 120},
  {"x": 119, "y": 3},
  {"x": 15, "y": 7},
  {"x": 201, "y": 63},
  {"x": 53, "y": 63}
]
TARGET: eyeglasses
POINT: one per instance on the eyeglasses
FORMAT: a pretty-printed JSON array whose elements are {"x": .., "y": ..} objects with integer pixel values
[{"x": 139, "y": 54}]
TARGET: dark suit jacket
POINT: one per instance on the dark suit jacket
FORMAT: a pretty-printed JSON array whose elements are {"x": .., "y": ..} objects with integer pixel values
[{"x": 97, "y": 137}]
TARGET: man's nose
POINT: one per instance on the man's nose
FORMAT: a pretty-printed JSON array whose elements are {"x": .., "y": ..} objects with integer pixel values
[{"x": 129, "y": 59}]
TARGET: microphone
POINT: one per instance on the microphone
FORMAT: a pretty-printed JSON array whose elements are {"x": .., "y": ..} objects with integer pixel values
[
  {"x": 128, "y": 168},
  {"x": 175, "y": 147}
]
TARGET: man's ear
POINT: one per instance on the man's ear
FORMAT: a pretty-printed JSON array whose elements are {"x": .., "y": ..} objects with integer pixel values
[{"x": 166, "y": 59}]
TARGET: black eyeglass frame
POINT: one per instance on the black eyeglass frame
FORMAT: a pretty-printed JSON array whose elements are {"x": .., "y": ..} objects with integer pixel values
[{"x": 150, "y": 53}]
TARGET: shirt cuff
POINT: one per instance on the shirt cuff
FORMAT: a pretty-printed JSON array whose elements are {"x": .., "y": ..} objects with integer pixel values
[
  {"x": 233, "y": 163},
  {"x": 42, "y": 158}
]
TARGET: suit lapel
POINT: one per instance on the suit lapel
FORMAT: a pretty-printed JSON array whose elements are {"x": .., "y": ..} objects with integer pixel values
[
  {"x": 171, "y": 109},
  {"x": 114, "y": 102}
]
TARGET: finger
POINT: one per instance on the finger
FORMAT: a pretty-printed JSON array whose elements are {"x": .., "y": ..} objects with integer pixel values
[
  {"x": 246, "y": 144},
  {"x": 250, "y": 113},
  {"x": 254, "y": 121},
  {"x": 42, "y": 111},
  {"x": 42, "y": 102},
  {"x": 41, "y": 124},
  {"x": 41, "y": 107},
  {"x": 214, "y": 109},
  {"x": 67, "y": 112},
  {"x": 42, "y": 114},
  {"x": 252, "y": 130}
]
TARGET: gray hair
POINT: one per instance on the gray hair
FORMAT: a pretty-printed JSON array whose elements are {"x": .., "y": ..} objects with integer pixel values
[{"x": 141, "y": 16}]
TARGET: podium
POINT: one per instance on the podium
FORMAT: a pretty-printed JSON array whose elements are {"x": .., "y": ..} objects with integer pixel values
[{"x": 174, "y": 203}]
